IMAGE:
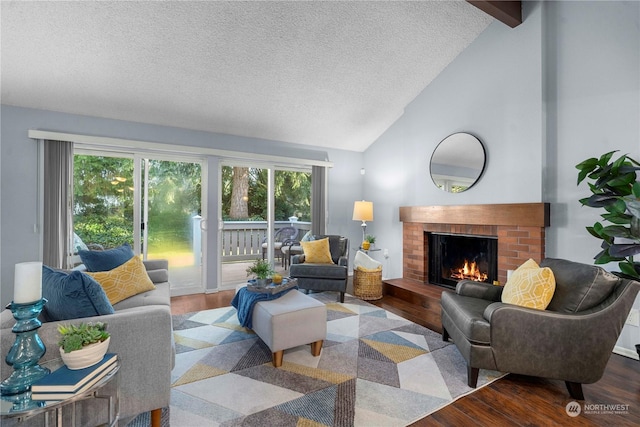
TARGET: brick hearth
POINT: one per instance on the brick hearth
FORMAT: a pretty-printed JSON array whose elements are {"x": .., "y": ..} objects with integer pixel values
[{"x": 519, "y": 228}]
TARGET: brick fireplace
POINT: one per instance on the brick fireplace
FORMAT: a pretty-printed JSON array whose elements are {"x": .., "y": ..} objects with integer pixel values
[{"x": 519, "y": 229}]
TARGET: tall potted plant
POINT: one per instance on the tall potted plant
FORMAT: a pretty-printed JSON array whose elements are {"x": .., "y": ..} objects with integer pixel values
[{"x": 615, "y": 188}]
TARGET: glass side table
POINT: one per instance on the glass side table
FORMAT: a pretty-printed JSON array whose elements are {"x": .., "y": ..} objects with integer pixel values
[
  {"x": 367, "y": 251},
  {"x": 22, "y": 407}
]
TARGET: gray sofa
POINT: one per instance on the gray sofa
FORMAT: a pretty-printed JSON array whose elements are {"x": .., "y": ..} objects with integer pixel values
[
  {"x": 142, "y": 337},
  {"x": 571, "y": 340}
]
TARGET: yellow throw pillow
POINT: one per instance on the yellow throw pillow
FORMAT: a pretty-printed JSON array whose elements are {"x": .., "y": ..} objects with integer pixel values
[
  {"x": 125, "y": 281},
  {"x": 317, "y": 251},
  {"x": 530, "y": 286}
]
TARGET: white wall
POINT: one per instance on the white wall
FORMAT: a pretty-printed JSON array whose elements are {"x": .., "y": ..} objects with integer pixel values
[
  {"x": 561, "y": 87},
  {"x": 19, "y": 176}
]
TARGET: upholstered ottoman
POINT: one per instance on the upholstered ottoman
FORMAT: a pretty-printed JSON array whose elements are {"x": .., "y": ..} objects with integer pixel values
[{"x": 292, "y": 320}]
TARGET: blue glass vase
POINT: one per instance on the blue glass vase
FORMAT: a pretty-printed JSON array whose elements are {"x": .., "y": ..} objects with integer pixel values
[{"x": 26, "y": 350}]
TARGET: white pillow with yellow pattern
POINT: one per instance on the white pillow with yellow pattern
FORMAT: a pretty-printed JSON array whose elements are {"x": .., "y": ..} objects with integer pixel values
[{"x": 530, "y": 286}]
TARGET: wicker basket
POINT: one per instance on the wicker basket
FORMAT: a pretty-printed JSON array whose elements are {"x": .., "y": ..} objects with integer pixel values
[{"x": 367, "y": 284}]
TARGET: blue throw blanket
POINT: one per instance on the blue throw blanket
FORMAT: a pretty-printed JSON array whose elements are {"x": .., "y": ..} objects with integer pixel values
[{"x": 245, "y": 300}]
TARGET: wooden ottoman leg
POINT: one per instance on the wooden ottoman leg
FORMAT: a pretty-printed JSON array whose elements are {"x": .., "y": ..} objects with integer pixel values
[
  {"x": 156, "y": 417},
  {"x": 277, "y": 358},
  {"x": 316, "y": 347}
]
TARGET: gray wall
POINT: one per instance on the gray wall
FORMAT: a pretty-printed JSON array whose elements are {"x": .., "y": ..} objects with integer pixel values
[
  {"x": 561, "y": 87},
  {"x": 493, "y": 90},
  {"x": 592, "y": 72},
  {"x": 19, "y": 175}
]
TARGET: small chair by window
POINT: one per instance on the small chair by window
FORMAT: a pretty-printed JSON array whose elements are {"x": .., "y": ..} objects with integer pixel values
[
  {"x": 285, "y": 233},
  {"x": 290, "y": 247}
]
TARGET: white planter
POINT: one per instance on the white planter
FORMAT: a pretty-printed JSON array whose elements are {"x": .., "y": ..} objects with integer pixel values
[{"x": 85, "y": 357}]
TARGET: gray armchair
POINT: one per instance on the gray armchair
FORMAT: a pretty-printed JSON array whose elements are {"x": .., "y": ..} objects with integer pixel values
[
  {"x": 571, "y": 340},
  {"x": 324, "y": 277}
]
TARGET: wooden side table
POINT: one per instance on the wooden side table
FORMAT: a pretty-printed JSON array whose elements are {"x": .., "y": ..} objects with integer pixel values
[{"x": 23, "y": 408}]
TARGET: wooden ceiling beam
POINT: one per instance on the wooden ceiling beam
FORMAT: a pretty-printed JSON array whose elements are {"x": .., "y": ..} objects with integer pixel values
[{"x": 508, "y": 12}]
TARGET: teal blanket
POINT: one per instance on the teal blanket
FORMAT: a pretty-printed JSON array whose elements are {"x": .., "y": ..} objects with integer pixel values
[{"x": 245, "y": 300}]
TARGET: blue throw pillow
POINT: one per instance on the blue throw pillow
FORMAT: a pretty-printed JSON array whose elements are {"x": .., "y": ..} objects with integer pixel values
[
  {"x": 72, "y": 296},
  {"x": 106, "y": 260}
]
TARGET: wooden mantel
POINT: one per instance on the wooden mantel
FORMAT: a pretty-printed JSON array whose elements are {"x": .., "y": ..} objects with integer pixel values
[{"x": 511, "y": 214}]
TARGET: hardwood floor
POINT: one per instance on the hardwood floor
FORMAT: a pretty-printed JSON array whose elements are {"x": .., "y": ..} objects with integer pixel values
[
  {"x": 515, "y": 400},
  {"x": 198, "y": 302}
]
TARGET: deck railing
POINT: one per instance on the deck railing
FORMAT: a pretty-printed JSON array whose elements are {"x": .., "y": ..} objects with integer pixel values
[{"x": 242, "y": 240}]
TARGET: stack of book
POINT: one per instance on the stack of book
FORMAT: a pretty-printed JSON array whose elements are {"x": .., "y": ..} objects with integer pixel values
[{"x": 64, "y": 383}]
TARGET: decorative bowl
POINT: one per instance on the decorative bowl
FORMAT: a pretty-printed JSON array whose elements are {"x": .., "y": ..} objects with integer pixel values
[{"x": 86, "y": 356}]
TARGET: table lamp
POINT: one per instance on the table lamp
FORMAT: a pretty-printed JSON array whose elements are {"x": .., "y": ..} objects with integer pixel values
[{"x": 363, "y": 211}]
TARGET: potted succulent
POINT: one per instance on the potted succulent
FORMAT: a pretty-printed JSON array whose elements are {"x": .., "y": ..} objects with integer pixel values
[
  {"x": 83, "y": 345},
  {"x": 261, "y": 270},
  {"x": 615, "y": 188}
]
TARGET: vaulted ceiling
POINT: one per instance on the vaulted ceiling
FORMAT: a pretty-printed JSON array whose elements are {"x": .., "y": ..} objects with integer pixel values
[{"x": 327, "y": 74}]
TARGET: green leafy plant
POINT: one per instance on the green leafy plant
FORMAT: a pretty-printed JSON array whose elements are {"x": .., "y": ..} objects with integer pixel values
[
  {"x": 74, "y": 337},
  {"x": 261, "y": 269},
  {"x": 370, "y": 238},
  {"x": 615, "y": 188}
]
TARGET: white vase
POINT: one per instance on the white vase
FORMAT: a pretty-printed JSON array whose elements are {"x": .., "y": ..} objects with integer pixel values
[{"x": 86, "y": 356}]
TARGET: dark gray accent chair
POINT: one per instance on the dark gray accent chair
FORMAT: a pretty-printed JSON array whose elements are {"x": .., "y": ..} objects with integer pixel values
[
  {"x": 324, "y": 277},
  {"x": 571, "y": 340}
]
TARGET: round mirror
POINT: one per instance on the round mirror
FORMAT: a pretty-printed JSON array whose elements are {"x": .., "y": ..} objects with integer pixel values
[{"x": 457, "y": 162}]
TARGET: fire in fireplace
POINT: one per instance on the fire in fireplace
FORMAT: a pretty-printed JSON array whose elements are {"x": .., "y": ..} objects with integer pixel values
[
  {"x": 453, "y": 257},
  {"x": 469, "y": 271}
]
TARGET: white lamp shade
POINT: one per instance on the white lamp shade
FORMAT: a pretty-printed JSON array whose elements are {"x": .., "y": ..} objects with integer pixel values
[{"x": 363, "y": 211}]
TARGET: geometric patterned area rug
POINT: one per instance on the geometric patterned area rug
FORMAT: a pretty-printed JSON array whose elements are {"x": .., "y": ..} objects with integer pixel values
[{"x": 375, "y": 369}]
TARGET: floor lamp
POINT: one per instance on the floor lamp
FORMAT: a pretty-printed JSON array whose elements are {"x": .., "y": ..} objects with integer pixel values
[{"x": 363, "y": 211}]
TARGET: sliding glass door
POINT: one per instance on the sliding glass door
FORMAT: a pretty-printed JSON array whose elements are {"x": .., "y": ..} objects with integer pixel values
[
  {"x": 103, "y": 202},
  {"x": 243, "y": 222},
  {"x": 153, "y": 204},
  {"x": 158, "y": 205},
  {"x": 257, "y": 202},
  {"x": 172, "y": 215}
]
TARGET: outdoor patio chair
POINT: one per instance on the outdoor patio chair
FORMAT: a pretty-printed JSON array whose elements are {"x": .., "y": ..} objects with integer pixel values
[
  {"x": 285, "y": 233},
  {"x": 290, "y": 247}
]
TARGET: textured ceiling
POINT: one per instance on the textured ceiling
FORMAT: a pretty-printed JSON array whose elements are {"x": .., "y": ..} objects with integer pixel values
[{"x": 328, "y": 74}]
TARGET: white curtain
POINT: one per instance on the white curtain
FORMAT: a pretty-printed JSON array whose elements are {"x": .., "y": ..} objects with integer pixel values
[
  {"x": 58, "y": 195},
  {"x": 318, "y": 200}
]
